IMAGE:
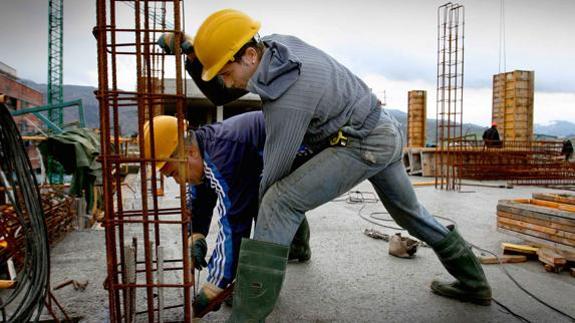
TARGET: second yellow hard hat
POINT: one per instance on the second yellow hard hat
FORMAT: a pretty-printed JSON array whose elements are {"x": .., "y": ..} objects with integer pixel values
[{"x": 165, "y": 138}]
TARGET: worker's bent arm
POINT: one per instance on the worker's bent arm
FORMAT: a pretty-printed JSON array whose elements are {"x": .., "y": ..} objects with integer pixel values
[{"x": 201, "y": 201}]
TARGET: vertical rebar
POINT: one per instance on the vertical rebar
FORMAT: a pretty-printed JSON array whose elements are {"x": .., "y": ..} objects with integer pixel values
[
  {"x": 188, "y": 272},
  {"x": 102, "y": 94},
  {"x": 449, "y": 100}
]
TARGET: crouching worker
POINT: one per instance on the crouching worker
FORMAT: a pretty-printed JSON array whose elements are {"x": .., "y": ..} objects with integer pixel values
[
  {"x": 309, "y": 97},
  {"x": 224, "y": 166}
]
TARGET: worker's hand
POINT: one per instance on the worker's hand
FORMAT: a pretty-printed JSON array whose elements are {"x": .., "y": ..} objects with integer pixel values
[
  {"x": 167, "y": 43},
  {"x": 198, "y": 250}
]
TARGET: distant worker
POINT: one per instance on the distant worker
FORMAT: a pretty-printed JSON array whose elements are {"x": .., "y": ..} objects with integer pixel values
[
  {"x": 491, "y": 137},
  {"x": 224, "y": 167},
  {"x": 309, "y": 97},
  {"x": 567, "y": 149}
]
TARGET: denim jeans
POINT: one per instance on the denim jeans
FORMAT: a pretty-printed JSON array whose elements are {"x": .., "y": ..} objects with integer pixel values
[{"x": 336, "y": 170}]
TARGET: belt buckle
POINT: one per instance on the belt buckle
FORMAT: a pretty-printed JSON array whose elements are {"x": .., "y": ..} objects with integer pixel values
[{"x": 339, "y": 140}]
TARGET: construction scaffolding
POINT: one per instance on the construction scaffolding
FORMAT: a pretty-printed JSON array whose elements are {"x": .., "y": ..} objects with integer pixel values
[
  {"x": 139, "y": 264},
  {"x": 449, "y": 95}
]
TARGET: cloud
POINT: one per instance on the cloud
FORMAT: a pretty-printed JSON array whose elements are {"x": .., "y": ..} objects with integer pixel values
[
  {"x": 477, "y": 102},
  {"x": 393, "y": 42}
]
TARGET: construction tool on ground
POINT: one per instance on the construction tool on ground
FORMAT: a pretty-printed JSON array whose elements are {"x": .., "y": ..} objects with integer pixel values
[
  {"x": 376, "y": 234},
  {"x": 215, "y": 303},
  {"x": 77, "y": 285}
]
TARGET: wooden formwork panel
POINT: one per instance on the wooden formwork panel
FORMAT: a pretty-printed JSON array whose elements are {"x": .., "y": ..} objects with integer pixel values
[
  {"x": 563, "y": 198},
  {"x": 416, "y": 118},
  {"x": 512, "y": 104}
]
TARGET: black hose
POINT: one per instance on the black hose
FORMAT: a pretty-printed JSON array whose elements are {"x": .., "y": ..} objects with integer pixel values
[
  {"x": 18, "y": 177},
  {"x": 357, "y": 197}
]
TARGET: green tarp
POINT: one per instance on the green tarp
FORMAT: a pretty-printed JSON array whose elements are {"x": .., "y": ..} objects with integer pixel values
[{"x": 77, "y": 150}]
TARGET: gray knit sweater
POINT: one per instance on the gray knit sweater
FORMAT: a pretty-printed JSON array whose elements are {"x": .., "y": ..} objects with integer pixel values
[{"x": 307, "y": 96}]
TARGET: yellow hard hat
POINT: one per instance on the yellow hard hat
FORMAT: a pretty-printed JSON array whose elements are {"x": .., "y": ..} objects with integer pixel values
[
  {"x": 220, "y": 37},
  {"x": 165, "y": 138}
]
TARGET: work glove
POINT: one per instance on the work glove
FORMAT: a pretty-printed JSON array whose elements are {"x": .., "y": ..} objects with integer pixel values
[
  {"x": 207, "y": 293},
  {"x": 198, "y": 250},
  {"x": 167, "y": 43}
]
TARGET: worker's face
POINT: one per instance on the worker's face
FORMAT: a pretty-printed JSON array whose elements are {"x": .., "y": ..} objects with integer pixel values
[
  {"x": 236, "y": 74},
  {"x": 194, "y": 165}
]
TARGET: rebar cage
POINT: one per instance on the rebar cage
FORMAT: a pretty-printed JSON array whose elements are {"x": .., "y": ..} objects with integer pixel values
[
  {"x": 146, "y": 279},
  {"x": 449, "y": 95}
]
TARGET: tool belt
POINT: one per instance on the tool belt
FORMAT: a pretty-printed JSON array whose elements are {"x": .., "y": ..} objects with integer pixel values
[{"x": 338, "y": 139}]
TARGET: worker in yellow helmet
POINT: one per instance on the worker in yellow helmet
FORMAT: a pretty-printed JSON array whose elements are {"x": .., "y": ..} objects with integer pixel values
[
  {"x": 308, "y": 97},
  {"x": 222, "y": 169}
]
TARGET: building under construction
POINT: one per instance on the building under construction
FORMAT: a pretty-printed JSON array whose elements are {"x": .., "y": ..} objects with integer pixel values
[{"x": 94, "y": 229}]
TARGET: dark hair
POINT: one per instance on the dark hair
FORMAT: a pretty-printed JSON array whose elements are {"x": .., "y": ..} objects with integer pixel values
[{"x": 254, "y": 43}]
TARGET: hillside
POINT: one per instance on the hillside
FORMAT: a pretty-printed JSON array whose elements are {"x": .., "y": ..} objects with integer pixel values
[
  {"x": 128, "y": 122},
  {"x": 468, "y": 128},
  {"x": 557, "y": 128},
  {"x": 129, "y": 126}
]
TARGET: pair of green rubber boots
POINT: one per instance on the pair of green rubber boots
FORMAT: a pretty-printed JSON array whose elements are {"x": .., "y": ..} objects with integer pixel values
[{"x": 262, "y": 266}]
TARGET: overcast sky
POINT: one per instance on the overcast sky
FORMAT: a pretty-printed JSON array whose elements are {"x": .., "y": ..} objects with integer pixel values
[{"x": 391, "y": 44}]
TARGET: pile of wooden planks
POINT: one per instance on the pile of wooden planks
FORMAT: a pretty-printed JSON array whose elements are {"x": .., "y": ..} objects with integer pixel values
[
  {"x": 545, "y": 220},
  {"x": 553, "y": 260}
]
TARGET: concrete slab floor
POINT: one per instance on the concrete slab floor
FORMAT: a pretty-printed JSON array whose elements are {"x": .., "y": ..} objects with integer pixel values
[{"x": 351, "y": 277}]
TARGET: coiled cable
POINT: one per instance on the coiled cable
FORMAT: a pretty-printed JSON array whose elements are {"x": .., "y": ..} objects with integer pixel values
[{"x": 19, "y": 180}]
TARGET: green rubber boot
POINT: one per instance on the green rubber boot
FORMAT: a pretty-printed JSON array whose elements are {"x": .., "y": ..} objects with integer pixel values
[
  {"x": 457, "y": 257},
  {"x": 260, "y": 275},
  {"x": 299, "y": 249}
]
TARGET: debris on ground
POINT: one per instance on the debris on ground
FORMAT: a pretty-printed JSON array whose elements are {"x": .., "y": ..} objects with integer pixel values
[
  {"x": 547, "y": 222},
  {"x": 80, "y": 286},
  {"x": 502, "y": 259},
  {"x": 553, "y": 260},
  {"x": 402, "y": 247}
]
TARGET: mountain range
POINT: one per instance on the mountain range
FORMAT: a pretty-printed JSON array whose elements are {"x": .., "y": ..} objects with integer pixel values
[{"x": 556, "y": 129}]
